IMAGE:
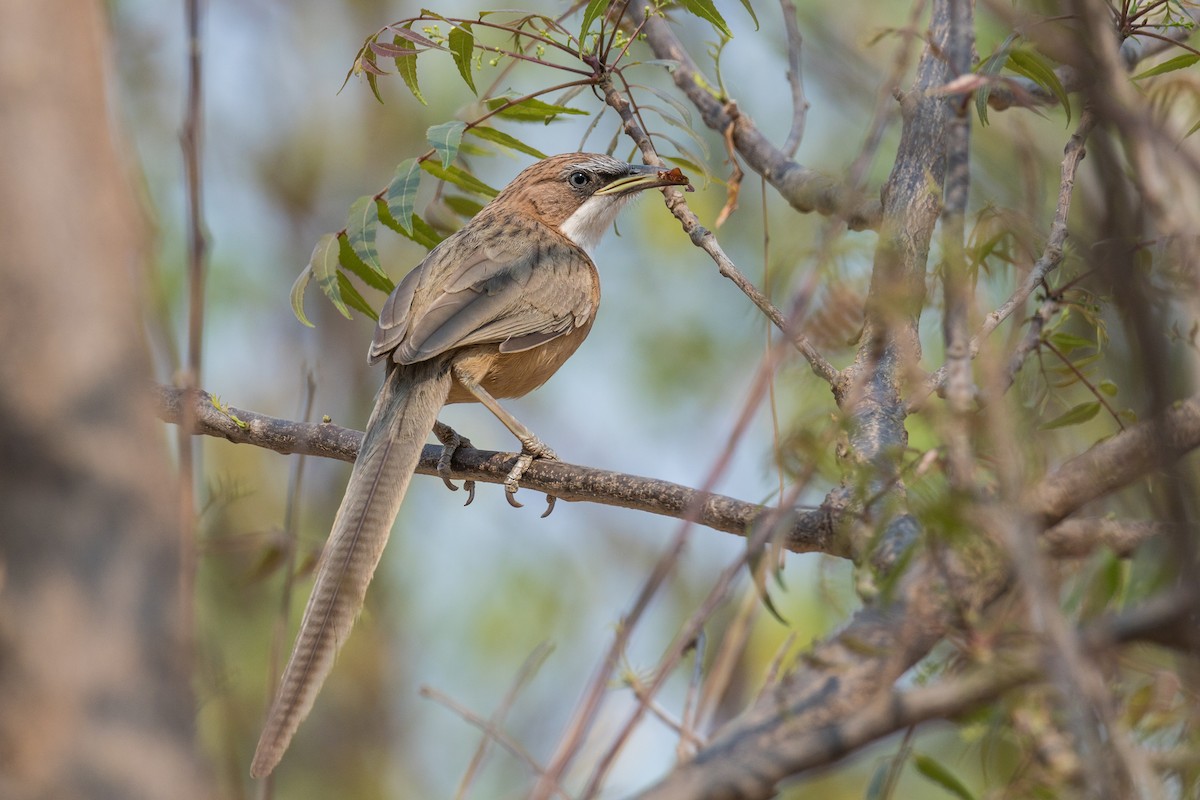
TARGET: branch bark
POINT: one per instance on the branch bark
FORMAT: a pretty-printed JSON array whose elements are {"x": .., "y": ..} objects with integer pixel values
[{"x": 801, "y": 532}]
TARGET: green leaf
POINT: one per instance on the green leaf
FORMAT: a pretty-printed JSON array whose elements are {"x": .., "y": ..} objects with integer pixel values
[
  {"x": 590, "y": 14},
  {"x": 759, "y": 574},
  {"x": 462, "y": 47},
  {"x": 297, "y": 295},
  {"x": 1037, "y": 68},
  {"x": 502, "y": 138},
  {"x": 462, "y": 206},
  {"x": 1192, "y": 130},
  {"x": 324, "y": 263},
  {"x": 750, "y": 10},
  {"x": 1170, "y": 65},
  {"x": 360, "y": 231},
  {"x": 1068, "y": 342},
  {"x": 353, "y": 298},
  {"x": 446, "y": 138},
  {"x": 531, "y": 110},
  {"x": 1074, "y": 416},
  {"x": 459, "y": 178},
  {"x": 373, "y": 82},
  {"x": 706, "y": 10},
  {"x": 407, "y": 67},
  {"x": 350, "y": 261},
  {"x": 419, "y": 231},
  {"x": 990, "y": 69},
  {"x": 402, "y": 193},
  {"x": 1108, "y": 387},
  {"x": 942, "y": 776}
]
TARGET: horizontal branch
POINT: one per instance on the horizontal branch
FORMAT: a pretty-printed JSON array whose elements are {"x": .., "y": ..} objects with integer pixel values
[{"x": 805, "y": 532}]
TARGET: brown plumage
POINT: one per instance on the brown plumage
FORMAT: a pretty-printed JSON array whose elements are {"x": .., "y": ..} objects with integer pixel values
[{"x": 492, "y": 312}]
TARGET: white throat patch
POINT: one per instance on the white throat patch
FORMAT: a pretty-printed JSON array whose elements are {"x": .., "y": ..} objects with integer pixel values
[{"x": 590, "y": 221}]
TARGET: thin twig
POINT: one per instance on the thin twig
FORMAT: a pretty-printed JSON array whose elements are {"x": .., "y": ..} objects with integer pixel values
[
  {"x": 190, "y": 379},
  {"x": 705, "y": 240},
  {"x": 532, "y": 663},
  {"x": 1050, "y": 259},
  {"x": 495, "y": 734},
  {"x": 795, "y": 76},
  {"x": 955, "y": 274}
]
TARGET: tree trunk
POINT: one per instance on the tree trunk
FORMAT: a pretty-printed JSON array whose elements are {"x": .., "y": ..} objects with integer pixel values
[{"x": 94, "y": 696}]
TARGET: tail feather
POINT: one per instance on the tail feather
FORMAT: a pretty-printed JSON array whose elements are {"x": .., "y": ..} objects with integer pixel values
[{"x": 405, "y": 411}]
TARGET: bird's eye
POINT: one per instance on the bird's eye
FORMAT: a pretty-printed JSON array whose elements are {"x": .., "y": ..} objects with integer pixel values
[{"x": 579, "y": 179}]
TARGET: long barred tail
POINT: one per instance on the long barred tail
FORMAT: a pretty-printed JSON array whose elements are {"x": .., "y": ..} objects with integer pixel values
[{"x": 405, "y": 411}]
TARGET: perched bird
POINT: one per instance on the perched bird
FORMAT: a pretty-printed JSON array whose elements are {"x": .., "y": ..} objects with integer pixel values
[{"x": 493, "y": 311}]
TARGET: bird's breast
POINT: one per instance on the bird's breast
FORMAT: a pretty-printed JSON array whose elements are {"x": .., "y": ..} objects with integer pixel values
[{"x": 516, "y": 374}]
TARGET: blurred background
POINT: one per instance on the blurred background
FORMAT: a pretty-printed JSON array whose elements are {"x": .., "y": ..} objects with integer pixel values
[{"x": 464, "y": 596}]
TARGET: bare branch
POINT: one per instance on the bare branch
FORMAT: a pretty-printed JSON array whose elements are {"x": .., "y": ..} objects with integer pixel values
[
  {"x": 1051, "y": 257},
  {"x": 1079, "y": 538},
  {"x": 706, "y": 241},
  {"x": 805, "y": 189},
  {"x": 894, "y": 711},
  {"x": 795, "y": 78},
  {"x": 811, "y": 531}
]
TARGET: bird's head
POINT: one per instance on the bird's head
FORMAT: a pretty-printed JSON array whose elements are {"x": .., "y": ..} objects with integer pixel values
[{"x": 581, "y": 193}]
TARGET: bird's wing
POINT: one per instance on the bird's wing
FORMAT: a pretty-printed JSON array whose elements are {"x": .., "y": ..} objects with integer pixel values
[{"x": 517, "y": 296}]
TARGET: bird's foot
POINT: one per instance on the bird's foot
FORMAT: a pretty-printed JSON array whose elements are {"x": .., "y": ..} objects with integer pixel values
[
  {"x": 451, "y": 441},
  {"x": 531, "y": 448}
]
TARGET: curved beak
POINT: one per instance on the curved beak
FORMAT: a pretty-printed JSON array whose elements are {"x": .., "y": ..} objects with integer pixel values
[{"x": 644, "y": 176}]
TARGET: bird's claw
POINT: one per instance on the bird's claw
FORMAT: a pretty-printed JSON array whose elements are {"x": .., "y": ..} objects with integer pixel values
[
  {"x": 451, "y": 442},
  {"x": 531, "y": 449}
]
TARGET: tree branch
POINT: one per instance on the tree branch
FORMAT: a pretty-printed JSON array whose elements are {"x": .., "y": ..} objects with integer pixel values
[
  {"x": 805, "y": 189},
  {"x": 801, "y": 532},
  {"x": 704, "y": 239}
]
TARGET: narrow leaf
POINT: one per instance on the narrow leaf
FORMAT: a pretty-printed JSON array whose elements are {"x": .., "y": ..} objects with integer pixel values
[
  {"x": 446, "y": 138},
  {"x": 502, "y": 138},
  {"x": 531, "y": 110},
  {"x": 990, "y": 69},
  {"x": 407, "y": 67},
  {"x": 297, "y": 295},
  {"x": 354, "y": 299},
  {"x": 459, "y": 178},
  {"x": 1069, "y": 341},
  {"x": 942, "y": 776},
  {"x": 462, "y": 47},
  {"x": 750, "y": 10},
  {"x": 351, "y": 262},
  {"x": 370, "y": 67},
  {"x": 402, "y": 193},
  {"x": 463, "y": 206},
  {"x": 1038, "y": 69},
  {"x": 373, "y": 82},
  {"x": 594, "y": 9},
  {"x": 392, "y": 50},
  {"x": 1079, "y": 414},
  {"x": 1170, "y": 65},
  {"x": 707, "y": 10},
  {"x": 422, "y": 232},
  {"x": 324, "y": 263},
  {"x": 360, "y": 231},
  {"x": 412, "y": 36}
]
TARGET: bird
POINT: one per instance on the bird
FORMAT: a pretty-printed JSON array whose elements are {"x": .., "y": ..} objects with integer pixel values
[{"x": 491, "y": 312}]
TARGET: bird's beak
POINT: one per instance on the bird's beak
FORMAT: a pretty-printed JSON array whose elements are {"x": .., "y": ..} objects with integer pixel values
[{"x": 643, "y": 176}]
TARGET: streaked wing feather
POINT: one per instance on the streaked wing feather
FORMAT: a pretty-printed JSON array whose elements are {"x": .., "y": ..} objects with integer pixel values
[{"x": 536, "y": 293}]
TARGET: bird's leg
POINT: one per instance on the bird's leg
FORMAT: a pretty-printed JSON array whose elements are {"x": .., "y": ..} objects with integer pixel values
[
  {"x": 451, "y": 441},
  {"x": 531, "y": 446}
]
